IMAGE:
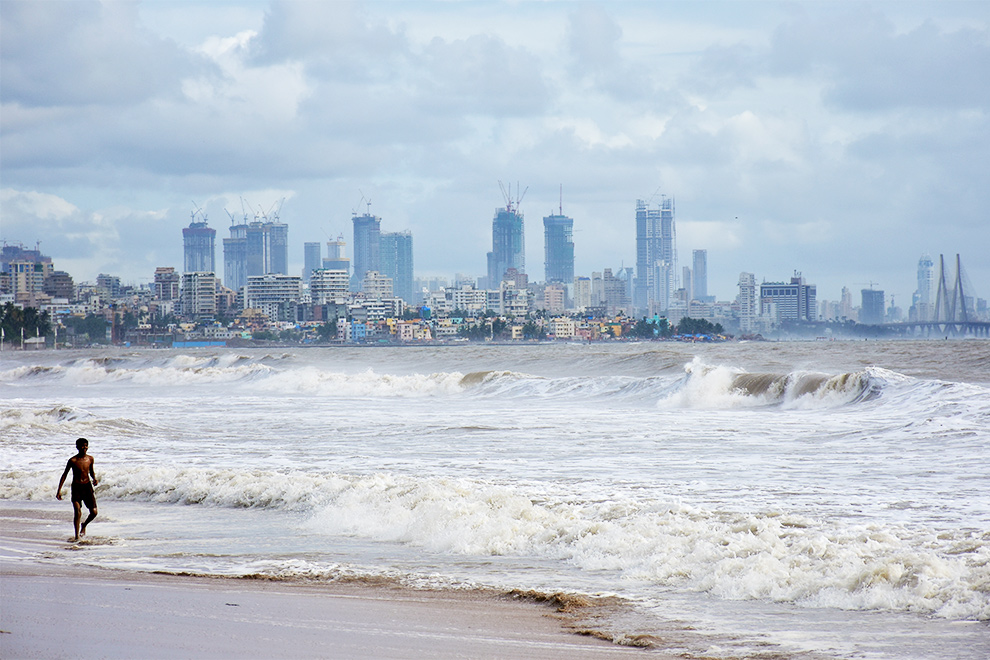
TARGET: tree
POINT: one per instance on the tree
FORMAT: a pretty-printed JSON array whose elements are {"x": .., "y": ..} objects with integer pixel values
[
  {"x": 531, "y": 330},
  {"x": 689, "y": 326},
  {"x": 129, "y": 320},
  {"x": 327, "y": 331},
  {"x": 92, "y": 327}
]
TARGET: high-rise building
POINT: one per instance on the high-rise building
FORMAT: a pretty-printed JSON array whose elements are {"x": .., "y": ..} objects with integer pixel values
[
  {"x": 312, "y": 260},
  {"x": 275, "y": 294},
  {"x": 377, "y": 286},
  {"x": 794, "y": 301},
  {"x": 166, "y": 283},
  {"x": 396, "y": 257},
  {"x": 872, "y": 310},
  {"x": 336, "y": 258},
  {"x": 699, "y": 275},
  {"x": 923, "y": 301},
  {"x": 199, "y": 247},
  {"x": 614, "y": 293},
  {"x": 329, "y": 286},
  {"x": 28, "y": 280},
  {"x": 846, "y": 310},
  {"x": 656, "y": 258},
  {"x": 60, "y": 285},
  {"x": 748, "y": 303},
  {"x": 255, "y": 248},
  {"x": 278, "y": 247},
  {"x": 198, "y": 298},
  {"x": 558, "y": 243},
  {"x": 582, "y": 292},
  {"x": 109, "y": 285},
  {"x": 367, "y": 247},
  {"x": 508, "y": 244}
]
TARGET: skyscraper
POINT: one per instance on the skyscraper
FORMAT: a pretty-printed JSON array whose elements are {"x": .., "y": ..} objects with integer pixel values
[
  {"x": 923, "y": 303},
  {"x": 277, "y": 236},
  {"x": 508, "y": 243},
  {"x": 367, "y": 247},
  {"x": 255, "y": 248},
  {"x": 558, "y": 243},
  {"x": 872, "y": 310},
  {"x": 396, "y": 256},
  {"x": 312, "y": 260},
  {"x": 199, "y": 247},
  {"x": 748, "y": 303},
  {"x": 699, "y": 274},
  {"x": 336, "y": 258},
  {"x": 656, "y": 259}
]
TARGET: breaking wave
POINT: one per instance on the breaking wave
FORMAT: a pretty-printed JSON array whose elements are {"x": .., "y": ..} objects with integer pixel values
[
  {"x": 768, "y": 555},
  {"x": 698, "y": 385},
  {"x": 717, "y": 386}
]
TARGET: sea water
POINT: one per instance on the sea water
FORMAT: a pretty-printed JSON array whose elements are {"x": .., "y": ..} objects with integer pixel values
[{"x": 830, "y": 498}]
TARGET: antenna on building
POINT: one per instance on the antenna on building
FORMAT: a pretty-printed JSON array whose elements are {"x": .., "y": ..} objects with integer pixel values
[{"x": 561, "y": 207}]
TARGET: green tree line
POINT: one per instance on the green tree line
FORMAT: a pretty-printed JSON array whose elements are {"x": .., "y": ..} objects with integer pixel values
[{"x": 14, "y": 319}]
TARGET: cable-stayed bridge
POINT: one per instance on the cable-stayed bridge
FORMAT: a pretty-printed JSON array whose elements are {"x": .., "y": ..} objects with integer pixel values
[{"x": 953, "y": 317}]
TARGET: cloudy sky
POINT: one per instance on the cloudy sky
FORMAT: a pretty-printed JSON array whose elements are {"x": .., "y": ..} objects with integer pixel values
[{"x": 840, "y": 139}]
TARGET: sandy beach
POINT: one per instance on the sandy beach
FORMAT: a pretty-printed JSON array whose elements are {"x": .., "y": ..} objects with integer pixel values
[{"x": 54, "y": 610}]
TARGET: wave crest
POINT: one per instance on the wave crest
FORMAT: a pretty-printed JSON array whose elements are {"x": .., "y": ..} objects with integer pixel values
[{"x": 718, "y": 386}]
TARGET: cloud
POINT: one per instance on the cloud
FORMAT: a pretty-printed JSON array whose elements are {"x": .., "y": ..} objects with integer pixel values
[
  {"x": 82, "y": 53},
  {"x": 870, "y": 66},
  {"x": 85, "y": 243},
  {"x": 865, "y": 122},
  {"x": 336, "y": 39}
]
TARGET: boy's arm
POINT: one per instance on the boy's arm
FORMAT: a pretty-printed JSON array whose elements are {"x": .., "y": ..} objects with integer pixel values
[
  {"x": 92, "y": 475},
  {"x": 58, "y": 491}
]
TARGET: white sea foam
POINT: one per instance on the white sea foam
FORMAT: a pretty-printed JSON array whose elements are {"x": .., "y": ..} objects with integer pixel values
[
  {"x": 792, "y": 475},
  {"x": 771, "y": 556},
  {"x": 727, "y": 387}
]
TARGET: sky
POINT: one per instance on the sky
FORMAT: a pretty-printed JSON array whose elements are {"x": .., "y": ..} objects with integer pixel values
[{"x": 839, "y": 139}]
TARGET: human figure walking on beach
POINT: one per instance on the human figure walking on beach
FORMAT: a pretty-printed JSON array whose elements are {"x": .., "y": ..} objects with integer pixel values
[{"x": 83, "y": 482}]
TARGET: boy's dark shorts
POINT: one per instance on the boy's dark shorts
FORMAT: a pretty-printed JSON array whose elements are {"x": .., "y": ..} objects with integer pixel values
[{"x": 84, "y": 493}]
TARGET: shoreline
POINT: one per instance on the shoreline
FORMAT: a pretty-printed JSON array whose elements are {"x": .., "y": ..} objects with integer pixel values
[{"x": 54, "y": 609}]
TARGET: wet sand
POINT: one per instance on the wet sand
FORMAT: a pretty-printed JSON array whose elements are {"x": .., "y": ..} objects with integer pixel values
[{"x": 51, "y": 609}]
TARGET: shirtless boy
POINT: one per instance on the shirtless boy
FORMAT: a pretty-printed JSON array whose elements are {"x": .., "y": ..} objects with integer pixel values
[{"x": 83, "y": 481}]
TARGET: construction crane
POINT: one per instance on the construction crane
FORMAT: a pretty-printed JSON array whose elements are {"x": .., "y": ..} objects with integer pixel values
[
  {"x": 197, "y": 211},
  {"x": 364, "y": 200},
  {"x": 507, "y": 195}
]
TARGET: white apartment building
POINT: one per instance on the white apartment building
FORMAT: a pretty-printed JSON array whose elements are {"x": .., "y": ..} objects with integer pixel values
[
  {"x": 582, "y": 292},
  {"x": 563, "y": 327},
  {"x": 271, "y": 293},
  {"x": 327, "y": 286},
  {"x": 554, "y": 296},
  {"x": 198, "y": 295},
  {"x": 376, "y": 285},
  {"x": 749, "y": 306}
]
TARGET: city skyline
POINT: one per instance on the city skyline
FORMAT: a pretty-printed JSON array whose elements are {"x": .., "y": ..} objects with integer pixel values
[{"x": 830, "y": 138}]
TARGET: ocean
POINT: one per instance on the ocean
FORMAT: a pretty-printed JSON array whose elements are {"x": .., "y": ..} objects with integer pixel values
[{"x": 808, "y": 499}]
